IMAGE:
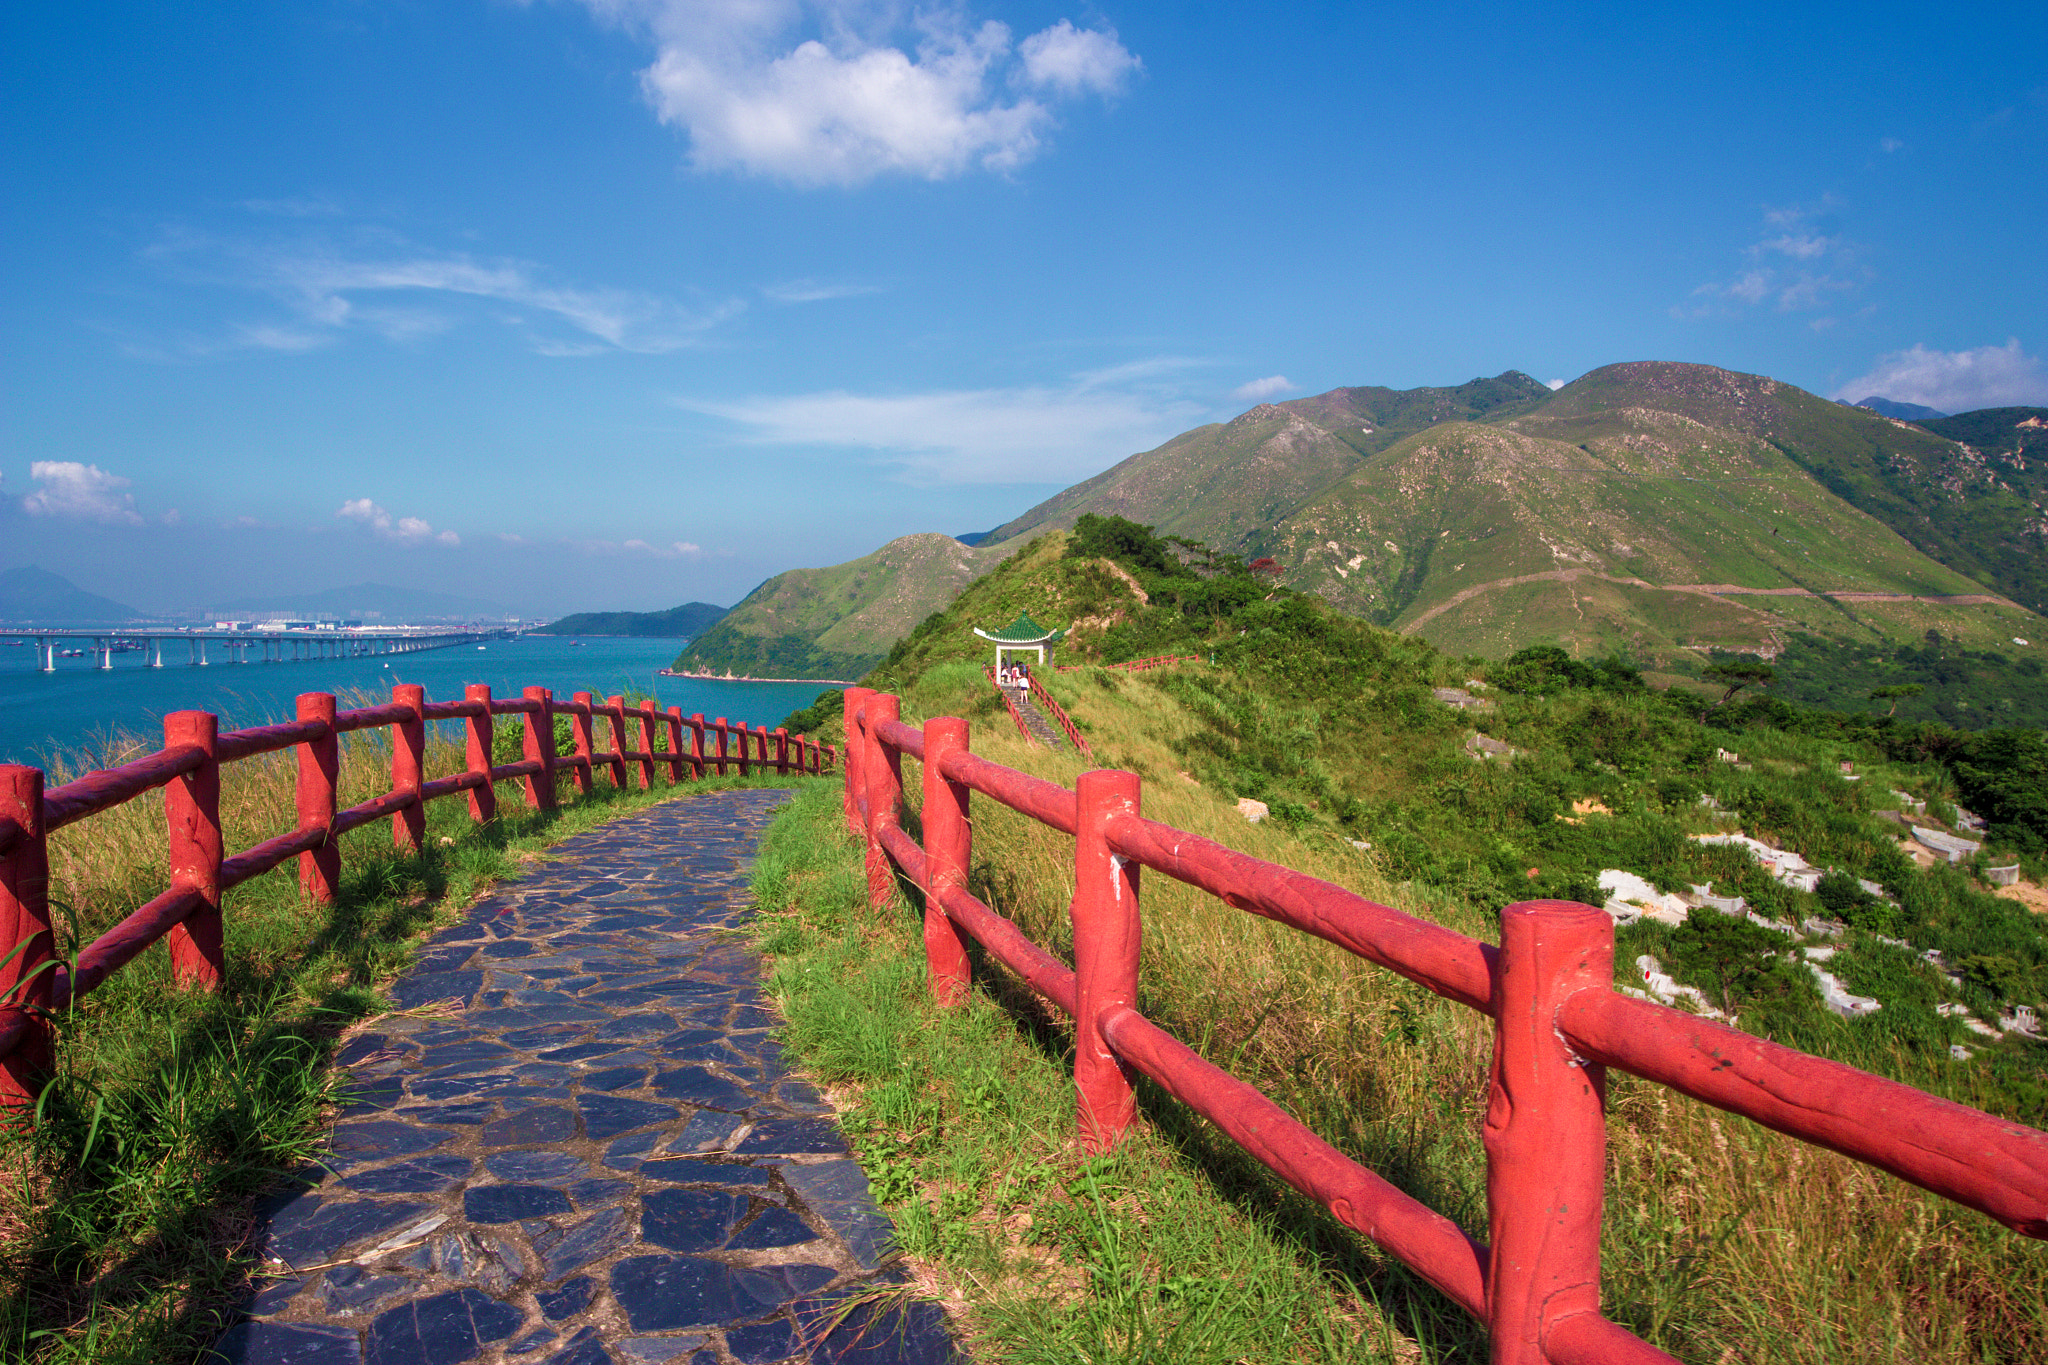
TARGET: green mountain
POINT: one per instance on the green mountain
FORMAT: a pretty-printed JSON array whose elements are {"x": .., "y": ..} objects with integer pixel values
[
  {"x": 678, "y": 623},
  {"x": 33, "y": 594},
  {"x": 1227, "y": 482},
  {"x": 1662, "y": 509},
  {"x": 837, "y": 622}
]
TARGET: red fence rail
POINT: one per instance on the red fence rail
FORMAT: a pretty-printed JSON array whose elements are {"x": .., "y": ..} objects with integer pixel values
[
  {"x": 34, "y": 983},
  {"x": 1549, "y": 987},
  {"x": 1136, "y": 665}
]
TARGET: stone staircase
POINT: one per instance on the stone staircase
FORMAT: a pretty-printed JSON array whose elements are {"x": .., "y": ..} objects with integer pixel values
[{"x": 1035, "y": 720}]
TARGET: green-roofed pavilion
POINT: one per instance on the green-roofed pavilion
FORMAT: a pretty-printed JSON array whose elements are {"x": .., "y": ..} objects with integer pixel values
[{"x": 1022, "y": 636}]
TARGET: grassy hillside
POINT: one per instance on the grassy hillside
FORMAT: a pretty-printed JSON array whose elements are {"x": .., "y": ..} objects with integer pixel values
[
  {"x": 1712, "y": 1222},
  {"x": 677, "y": 623},
  {"x": 1662, "y": 509},
  {"x": 836, "y": 622},
  {"x": 1227, "y": 482}
]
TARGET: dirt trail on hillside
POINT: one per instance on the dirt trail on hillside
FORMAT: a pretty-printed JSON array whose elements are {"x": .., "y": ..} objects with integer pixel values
[{"x": 1465, "y": 595}]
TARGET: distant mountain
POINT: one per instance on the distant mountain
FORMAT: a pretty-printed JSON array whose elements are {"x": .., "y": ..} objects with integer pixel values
[
  {"x": 31, "y": 594},
  {"x": 1649, "y": 507},
  {"x": 973, "y": 537},
  {"x": 1905, "y": 412},
  {"x": 686, "y": 622},
  {"x": 370, "y": 601},
  {"x": 1997, "y": 431},
  {"x": 1228, "y": 482},
  {"x": 838, "y": 622}
]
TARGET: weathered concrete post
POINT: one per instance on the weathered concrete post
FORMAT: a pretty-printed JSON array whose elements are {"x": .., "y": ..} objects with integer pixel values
[
  {"x": 948, "y": 851},
  {"x": 26, "y": 979},
  {"x": 883, "y": 769},
  {"x": 1546, "y": 1129},
  {"x": 539, "y": 746},
  {"x": 1106, "y": 941},
  {"x": 408, "y": 767},
  {"x": 319, "y": 773},
  {"x": 192, "y": 812},
  {"x": 476, "y": 755}
]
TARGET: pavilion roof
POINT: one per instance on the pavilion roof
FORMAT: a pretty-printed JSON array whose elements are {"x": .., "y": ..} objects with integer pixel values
[{"x": 1022, "y": 631}]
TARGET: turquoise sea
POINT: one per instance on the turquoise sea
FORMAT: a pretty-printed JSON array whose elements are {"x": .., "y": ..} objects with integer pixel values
[{"x": 76, "y": 709}]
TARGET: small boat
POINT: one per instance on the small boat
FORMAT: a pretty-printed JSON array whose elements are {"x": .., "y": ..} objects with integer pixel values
[{"x": 479, "y": 649}]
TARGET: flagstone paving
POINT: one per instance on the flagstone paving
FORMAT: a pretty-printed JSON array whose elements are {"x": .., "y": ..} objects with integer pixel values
[{"x": 593, "y": 1153}]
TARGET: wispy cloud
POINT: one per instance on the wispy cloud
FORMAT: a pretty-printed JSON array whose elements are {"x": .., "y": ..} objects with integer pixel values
[
  {"x": 813, "y": 291},
  {"x": 1011, "y": 435},
  {"x": 376, "y": 282},
  {"x": 81, "y": 492},
  {"x": 1795, "y": 264},
  {"x": 837, "y": 92},
  {"x": 1260, "y": 389},
  {"x": 405, "y": 530},
  {"x": 1954, "y": 381}
]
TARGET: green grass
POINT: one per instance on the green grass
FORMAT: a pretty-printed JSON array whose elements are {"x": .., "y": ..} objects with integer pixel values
[
  {"x": 1170, "y": 1251},
  {"x": 127, "y": 1209},
  {"x": 1723, "y": 1241}
]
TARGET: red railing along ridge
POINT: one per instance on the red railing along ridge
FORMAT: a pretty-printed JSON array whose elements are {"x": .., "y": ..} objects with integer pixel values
[
  {"x": 1548, "y": 986},
  {"x": 33, "y": 982}
]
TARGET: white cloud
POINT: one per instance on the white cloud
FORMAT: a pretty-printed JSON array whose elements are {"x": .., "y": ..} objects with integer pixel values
[
  {"x": 1553, "y": 384},
  {"x": 1017, "y": 435},
  {"x": 1954, "y": 381},
  {"x": 81, "y": 491},
  {"x": 172, "y": 517},
  {"x": 1259, "y": 389},
  {"x": 1077, "y": 61},
  {"x": 1890, "y": 144},
  {"x": 845, "y": 103},
  {"x": 1817, "y": 268},
  {"x": 405, "y": 530},
  {"x": 333, "y": 289},
  {"x": 675, "y": 549},
  {"x": 811, "y": 291}
]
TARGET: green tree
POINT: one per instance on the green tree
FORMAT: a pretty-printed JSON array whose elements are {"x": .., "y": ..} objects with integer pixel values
[
  {"x": 1736, "y": 676},
  {"x": 1896, "y": 693}
]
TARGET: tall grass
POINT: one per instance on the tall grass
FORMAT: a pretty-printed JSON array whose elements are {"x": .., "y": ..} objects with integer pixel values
[
  {"x": 126, "y": 1206},
  {"x": 1723, "y": 1241}
]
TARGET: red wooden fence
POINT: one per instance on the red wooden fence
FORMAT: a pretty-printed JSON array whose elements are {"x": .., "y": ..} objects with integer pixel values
[
  {"x": 1136, "y": 665},
  {"x": 33, "y": 982},
  {"x": 1549, "y": 987}
]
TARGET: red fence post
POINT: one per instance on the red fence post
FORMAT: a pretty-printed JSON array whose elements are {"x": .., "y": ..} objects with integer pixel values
[
  {"x": 746, "y": 739},
  {"x": 697, "y": 746},
  {"x": 25, "y": 923},
  {"x": 645, "y": 714},
  {"x": 615, "y": 717},
  {"x": 674, "y": 731},
  {"x": 853, "y": 793},
  {"x": 539, "y": 745},
  {"x": 781, "y": 749},
  {"x": 1106, "y": 941},
  {"x": 192, "y": 810},
  {"x": 586, "y": 772},
  {"x": 1546, "y": 1129},
  {"x": 948, "y": 847},
  {"x": 319, "y": 772},
  {"x": 481, "y": 739},
  {"x": 719, "y": 726},
  {"x": 883, "y": 769},
  {"x": 408, "y": 767}
]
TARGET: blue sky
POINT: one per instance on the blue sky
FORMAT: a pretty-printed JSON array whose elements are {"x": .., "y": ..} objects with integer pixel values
[{"x": 623, "y": 303}]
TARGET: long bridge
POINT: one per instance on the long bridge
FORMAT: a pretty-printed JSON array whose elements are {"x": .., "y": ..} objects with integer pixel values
[{"x": 244, "y": 646}]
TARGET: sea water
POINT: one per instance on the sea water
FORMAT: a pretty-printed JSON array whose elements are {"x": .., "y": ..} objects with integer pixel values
[{"x": 77, "y": 710}]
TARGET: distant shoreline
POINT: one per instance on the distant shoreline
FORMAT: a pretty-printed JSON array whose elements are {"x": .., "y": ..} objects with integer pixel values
[{"x": 732, "y": 677}]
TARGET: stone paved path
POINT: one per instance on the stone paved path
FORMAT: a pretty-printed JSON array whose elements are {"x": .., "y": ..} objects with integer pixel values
[{"x": 597, "y": 1155}]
